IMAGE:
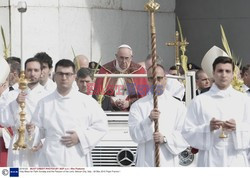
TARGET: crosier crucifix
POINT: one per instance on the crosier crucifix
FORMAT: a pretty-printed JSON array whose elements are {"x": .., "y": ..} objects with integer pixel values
[{"x": 177, "y": 45}]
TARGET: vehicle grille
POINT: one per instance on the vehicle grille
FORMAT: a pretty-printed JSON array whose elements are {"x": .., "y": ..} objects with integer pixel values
[{"x": 107, "y": 155}]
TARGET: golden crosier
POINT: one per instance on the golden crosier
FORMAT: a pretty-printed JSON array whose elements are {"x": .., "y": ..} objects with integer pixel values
[
  {"x": 178, "y": 44},
  {"x": 152, "y": 6},
  {"x": 183, "y": 45},
  {"x": 20, "y": 143},
  {"x": 184, "y": 58}
]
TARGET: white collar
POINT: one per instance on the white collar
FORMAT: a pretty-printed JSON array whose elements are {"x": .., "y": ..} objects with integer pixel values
[
  {"x": 37, "y": 88},
  {"x": 15, "y": 86},
  {"x": 162, "y": 96},
  {"x": 222, "y": 93},
  {"x": 68, "y": 96}
]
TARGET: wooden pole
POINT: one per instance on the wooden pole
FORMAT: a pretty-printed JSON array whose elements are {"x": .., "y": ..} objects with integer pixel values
[{"x": 152, "y": 6}]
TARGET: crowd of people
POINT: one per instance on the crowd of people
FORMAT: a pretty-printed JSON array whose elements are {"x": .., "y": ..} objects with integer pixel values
[{"x": 65, "y": 116}]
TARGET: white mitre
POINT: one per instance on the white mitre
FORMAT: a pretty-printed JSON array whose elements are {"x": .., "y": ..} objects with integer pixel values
[
  {"x": 209, "y": 58},
  {"x": 4, "y": 70}
]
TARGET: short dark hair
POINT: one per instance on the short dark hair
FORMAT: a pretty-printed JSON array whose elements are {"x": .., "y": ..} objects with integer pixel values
[
  {"x": 245, "y": 69},
  {"x": 192, "y": 66},
  {"x": 33, "y": 59},
  {"x": 14, "y": 66},
  {"x": 198, "y": 72},
  {"x": 172, "y": 68},
  {"x": 223, "y": 60},
  {"x": 13, "y": 58},
  {"x": 65, "y": 63},
  {"x": 44, "y": 58},
  {"x": 84, "y": 72},
  {"x": 181, "y": 70}
]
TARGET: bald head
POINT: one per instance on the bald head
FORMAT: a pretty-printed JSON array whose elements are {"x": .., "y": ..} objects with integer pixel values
[
  {"x": 159, "y": 69},
  {"x": 81, "y": 61}
]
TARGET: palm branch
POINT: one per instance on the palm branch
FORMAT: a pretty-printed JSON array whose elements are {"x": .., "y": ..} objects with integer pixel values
[
  {"x": 184, "y": 58},
  {"x": 6, "y": 48},
  {"x": 96, "y": 68},
  {"x": 236, "y": 82},
  {"x": 180, "y": 29},
  {"x": 225, "y": 42},
  {"x": 76, "y": 61}
]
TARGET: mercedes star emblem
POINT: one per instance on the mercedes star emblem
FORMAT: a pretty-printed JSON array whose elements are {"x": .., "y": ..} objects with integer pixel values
[{"x": 125, "y": 158}]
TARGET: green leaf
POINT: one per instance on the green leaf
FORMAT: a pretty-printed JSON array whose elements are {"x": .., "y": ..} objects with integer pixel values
[
  {"x": 95, "y": 71},
  {"x": 180, "y": 29},
  {"x": 74, "y": 54},
  {"x": 77, "y": 65},
  {"x": 3, "y": 36},
  {"x": 225, "y": 42}
]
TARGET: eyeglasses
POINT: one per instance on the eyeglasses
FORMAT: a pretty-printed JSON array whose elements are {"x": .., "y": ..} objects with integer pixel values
[
  {"x": 159, "y": 78},
  {"x": 67, "y": 75}
]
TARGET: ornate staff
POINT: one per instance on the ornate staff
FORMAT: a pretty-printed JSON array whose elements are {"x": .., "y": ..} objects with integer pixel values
[
  {"x": 177, "y": 45},
  {"x": 183, "y": 46},
  {"x": 152, "y": 6},
  {"x": 23, "y": 82}
]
